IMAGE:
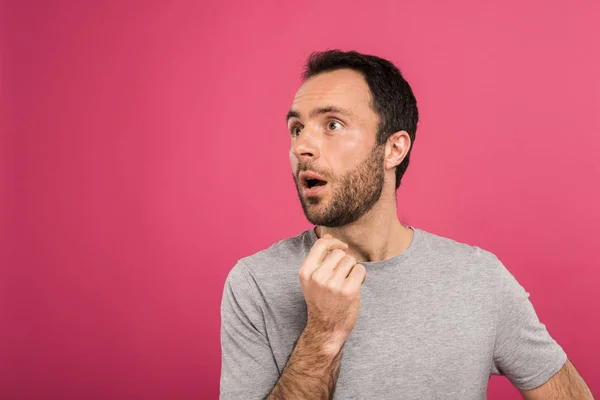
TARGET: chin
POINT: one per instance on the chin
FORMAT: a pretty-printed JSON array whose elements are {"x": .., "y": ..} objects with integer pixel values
[{"x": 314, "y": 214}]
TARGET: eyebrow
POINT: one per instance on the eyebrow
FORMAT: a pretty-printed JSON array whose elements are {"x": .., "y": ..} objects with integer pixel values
[{"x": 319, "y": 111}]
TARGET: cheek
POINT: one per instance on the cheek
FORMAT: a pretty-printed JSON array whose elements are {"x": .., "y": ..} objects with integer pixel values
[
  {"x": 293, "y": 161},
  {"x": 345, "y": 155}
]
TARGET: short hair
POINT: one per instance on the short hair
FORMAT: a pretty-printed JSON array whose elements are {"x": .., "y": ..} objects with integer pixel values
[{"x": 392, "y": 98}]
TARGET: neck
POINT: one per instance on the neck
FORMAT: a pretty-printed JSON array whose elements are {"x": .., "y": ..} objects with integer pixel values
[{"x": 376, "y": 236}]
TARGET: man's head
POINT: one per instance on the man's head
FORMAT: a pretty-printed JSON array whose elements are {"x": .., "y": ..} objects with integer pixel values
[{"x": 352, "y": 123}]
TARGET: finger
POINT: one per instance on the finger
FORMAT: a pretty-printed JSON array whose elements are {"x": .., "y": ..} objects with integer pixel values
[
  {"x": 318, "y": 251},
  {"x": 328, "y": 236},
  {"x": 343, "y": 268},
  {"x": 330, "y": 263},
  {"x": 357, "y": 276}
]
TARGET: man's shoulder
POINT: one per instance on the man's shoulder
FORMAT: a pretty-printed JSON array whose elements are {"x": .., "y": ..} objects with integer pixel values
[
  {"x": 465, "y": 256},
  {"x": 281, "y": 255},
  {"x": 272, "y": 271},
  {"x": 460, "y": 269}
]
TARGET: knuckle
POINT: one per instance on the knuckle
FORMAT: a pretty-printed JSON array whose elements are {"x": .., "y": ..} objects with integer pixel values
[
  {"x": 350, "y": 260},
  {"x": 333, "y": 286},
  {"x": 338, "y": 252},
  {"x": 318, "y": 245},
  {"x": 319, "y": 279},
  {"x": 302, "y": 275},
  {"x": 322, "y": 241}
]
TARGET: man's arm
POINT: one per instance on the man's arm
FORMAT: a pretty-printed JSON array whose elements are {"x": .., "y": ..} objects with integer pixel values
[
  {"x": 566, "y": 384},
  {"x": 248, "y": 367},
  {"x": 331, "y": 282},
  {"x": 311, "y": 371}
]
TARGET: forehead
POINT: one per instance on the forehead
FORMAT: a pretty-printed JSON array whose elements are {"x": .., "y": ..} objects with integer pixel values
[{"x": 342, "y": 88}]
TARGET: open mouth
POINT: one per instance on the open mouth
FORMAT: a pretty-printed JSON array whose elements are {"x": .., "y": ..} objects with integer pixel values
[{"x": 313, "y": 182}]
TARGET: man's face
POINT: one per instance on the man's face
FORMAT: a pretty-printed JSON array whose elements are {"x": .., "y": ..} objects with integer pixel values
[{"x": 337, "y": 167}]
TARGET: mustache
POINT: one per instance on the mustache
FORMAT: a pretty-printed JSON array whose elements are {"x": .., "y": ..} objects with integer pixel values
[{"x": 309, "y": 168}]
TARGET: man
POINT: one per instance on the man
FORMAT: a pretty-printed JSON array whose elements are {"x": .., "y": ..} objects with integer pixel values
[{"x": 436, "y": 317}]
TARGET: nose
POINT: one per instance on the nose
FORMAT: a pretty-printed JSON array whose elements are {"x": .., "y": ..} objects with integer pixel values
[{"x": 306, "y": 147}]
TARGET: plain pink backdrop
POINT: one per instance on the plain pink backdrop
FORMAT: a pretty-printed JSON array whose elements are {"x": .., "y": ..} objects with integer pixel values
[{"x": 146, "y": 152}]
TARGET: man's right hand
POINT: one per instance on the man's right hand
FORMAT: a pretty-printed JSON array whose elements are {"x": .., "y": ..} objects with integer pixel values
[
  {"x": 331, "y": 286},
  {"x": 330, "y": 282}
]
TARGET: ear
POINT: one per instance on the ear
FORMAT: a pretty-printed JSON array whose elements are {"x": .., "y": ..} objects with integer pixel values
[{"x": 396, "y": 148}]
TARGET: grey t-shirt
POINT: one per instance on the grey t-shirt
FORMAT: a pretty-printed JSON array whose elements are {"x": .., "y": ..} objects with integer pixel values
[{"x": 435, "y": 322}]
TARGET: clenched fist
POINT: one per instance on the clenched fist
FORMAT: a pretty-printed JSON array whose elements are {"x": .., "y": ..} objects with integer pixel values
[{"x": 331, "y": 282}]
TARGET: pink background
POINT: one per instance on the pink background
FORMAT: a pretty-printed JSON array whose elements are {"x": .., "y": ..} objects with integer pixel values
[{"x": 146, "y": 151}]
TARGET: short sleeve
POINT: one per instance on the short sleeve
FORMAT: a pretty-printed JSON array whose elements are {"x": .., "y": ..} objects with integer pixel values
[
  {"x": 248, "y": 369},
  {"x": 524, "y": 351}
]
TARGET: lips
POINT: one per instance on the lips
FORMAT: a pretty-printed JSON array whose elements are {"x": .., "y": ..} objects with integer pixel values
[{"x": 312, "y": 184}]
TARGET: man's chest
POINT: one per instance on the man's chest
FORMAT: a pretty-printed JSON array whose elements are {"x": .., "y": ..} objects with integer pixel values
[{"x": 427, "y": 344}]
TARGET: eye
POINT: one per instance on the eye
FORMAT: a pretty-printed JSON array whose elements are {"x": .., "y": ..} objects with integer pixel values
[
  {"x": 334, "y": 125},
  {"x": 295, "y": 131}
]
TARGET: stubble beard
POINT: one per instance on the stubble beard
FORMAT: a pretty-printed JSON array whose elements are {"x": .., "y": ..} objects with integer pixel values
[{"x": 352, "y": 194}]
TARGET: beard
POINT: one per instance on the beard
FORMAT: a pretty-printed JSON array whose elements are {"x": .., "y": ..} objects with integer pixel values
[{"x": 352, "y": 195}]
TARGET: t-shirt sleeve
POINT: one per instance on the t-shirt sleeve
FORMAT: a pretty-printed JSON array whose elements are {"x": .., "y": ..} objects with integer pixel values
[
  {"x": 248, "y": 369},
  {"x": 524, "y": 351}
]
